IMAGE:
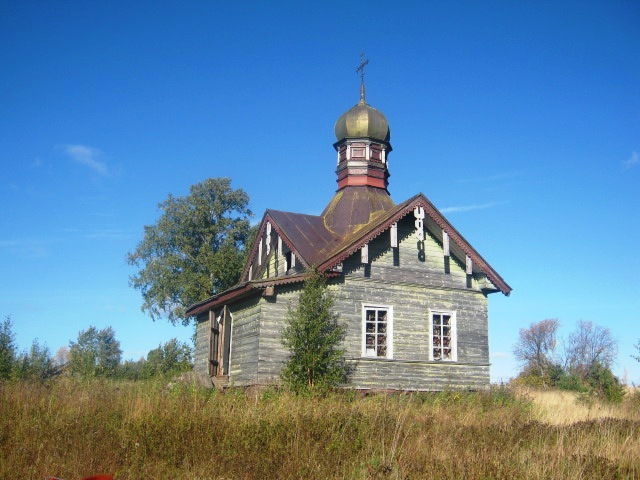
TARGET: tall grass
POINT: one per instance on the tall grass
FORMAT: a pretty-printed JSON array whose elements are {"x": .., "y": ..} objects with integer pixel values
[
  {"x": 562, "y": 407},
  {"x": 140, "y": 430}
]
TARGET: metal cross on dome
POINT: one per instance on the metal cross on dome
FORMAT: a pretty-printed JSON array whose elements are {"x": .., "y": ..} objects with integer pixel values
[{"x": 360, "y": 68}]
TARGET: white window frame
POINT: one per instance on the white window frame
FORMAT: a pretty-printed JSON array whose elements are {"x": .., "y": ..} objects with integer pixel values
[
  {"x": 389, "y": 330},
  {"x": 454, "y": 335}
]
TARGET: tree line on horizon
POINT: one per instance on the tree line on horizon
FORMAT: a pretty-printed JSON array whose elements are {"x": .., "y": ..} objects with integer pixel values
[
  {"x": 197, "y": 248},
  {"x": 582, "y": 362},
  {"x": 96, "y": 353}
]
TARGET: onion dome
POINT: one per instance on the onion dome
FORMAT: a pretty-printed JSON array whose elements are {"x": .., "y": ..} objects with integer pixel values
[{"x": 362, "y": 121}]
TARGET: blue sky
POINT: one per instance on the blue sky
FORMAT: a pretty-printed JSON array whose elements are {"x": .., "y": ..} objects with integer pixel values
[{"x": 519, "y": 120}]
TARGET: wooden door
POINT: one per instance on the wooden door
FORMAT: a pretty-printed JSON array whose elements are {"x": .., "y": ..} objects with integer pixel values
[{"x": 219, "y": 342}]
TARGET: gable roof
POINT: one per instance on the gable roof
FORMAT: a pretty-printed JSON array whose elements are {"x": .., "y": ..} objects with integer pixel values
[{"x": 315, "y": 244}]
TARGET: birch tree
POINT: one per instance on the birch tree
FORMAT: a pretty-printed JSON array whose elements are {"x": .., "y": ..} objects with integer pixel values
[{"x": 195, "y": 249}]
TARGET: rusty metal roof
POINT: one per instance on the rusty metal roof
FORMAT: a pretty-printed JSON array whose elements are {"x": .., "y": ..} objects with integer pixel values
[
  {"x": 315, "y": 244},
  {"x": 354, "y": 217},
  {"x": 306, "y": 235},
  {"x": 459, "y": 244},
  {"x": 353, "y": 208}
]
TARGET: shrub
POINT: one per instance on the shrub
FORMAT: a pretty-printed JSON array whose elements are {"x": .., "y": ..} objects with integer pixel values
[
  {"x": 36, "y": 364},
  {"x": 170, "y": 358},
  {"x": 532, "y": 377},
  {"x": 604, "y": 383},
  {"x": 312, "y": 336},
  {"x": 132, "y": 370},
  {"x": 571, "y": 382}
]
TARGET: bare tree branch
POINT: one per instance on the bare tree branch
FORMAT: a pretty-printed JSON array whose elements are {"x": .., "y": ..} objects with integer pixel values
[
  {"x": 588, "y": 345},
  {"x": 536, "y": 345}
]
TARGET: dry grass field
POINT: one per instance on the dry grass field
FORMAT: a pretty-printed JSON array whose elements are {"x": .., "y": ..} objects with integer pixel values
[
  {"x": 141, "y": 431},
  {"x": 558, "y": 407}
]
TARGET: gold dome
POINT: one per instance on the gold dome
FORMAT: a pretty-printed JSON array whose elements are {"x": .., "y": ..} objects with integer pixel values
[{"x": 362, "y": 121}]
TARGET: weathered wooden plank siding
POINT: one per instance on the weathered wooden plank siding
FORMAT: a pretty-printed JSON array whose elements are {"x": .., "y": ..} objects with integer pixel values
[
  {"x": 201, "y": 354},
  {"x": 412, "y": 280},
  {"x": 272, "y": 354},
  {"x": 412, "y": 283},
  {"x": 408, "y": 264},
  {"x": 272, "y": 263},
  {"x": 379, "y": 374},
  {"x": 243, "y": 362},
  {"x": 411, "y": 304}
]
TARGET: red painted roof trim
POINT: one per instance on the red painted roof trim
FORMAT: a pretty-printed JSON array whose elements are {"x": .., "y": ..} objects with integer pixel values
[
  {"x": 377, "y": 229},
  {"x": 403, "y": 210},
  {"x": 244, "y": 290}
]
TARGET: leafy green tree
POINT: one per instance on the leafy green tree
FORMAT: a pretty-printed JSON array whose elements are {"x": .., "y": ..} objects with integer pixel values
[
  {"x": 7, "y": 348},
  {"x": 196, "y": 249},
  {"x": 170, "y": 358},
  {"x": 313, "y": 337},
  {"x": 36, "y": 364},
  {"x": 96, "y": 353},
  {"x": 132, "y": 369},
  {"x": 637, "y": 346}
]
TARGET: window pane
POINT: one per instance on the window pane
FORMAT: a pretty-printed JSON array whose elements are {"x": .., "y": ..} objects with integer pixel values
[
  {"x": 442, "y": 333},
  {"x": 375, "y": 331}
]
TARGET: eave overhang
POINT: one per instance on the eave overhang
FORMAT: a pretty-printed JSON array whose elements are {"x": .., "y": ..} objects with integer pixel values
[
  {"x": 383, "y": 224},
  {"x": 314, "y": 244},
  {"x": 244, "y": 290},
  {"x": 235, "y": 293},
  {"x": 269, "y": 218}
]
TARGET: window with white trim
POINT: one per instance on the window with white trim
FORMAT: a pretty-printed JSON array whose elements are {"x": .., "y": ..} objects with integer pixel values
[
  {"x": 443, "y": 336},
  {"x": 377, "y": 331}
]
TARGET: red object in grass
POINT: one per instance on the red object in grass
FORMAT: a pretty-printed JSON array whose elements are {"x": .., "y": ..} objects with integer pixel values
[{"x": 94, "y": 477}]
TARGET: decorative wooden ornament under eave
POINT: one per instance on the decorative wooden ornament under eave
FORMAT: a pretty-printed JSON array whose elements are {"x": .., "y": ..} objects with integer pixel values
[
  {"x": 364, "y": 253},
  {"x": 394, "y": 234},
  {"x": 457, "y": 244},
  {"x": 254, "y": 265}
]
